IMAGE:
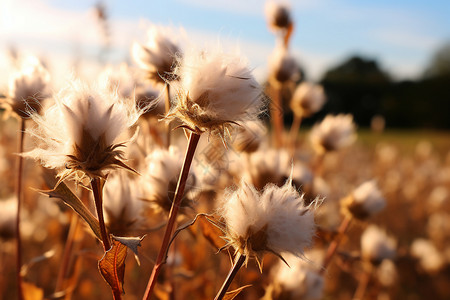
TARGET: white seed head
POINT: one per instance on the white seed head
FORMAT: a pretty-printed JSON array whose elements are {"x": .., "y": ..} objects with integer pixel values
[
  {"x": 79, "y": 134},
  {"x": 121, "y": 79},
  {"x": 333, "y": 133},
  {"x": 430, "y": 258},
  {"x": 27, "y": 88},
  {"x": 122, "y": 204},
  {"x": 274, "y": 220},
  {"x": 283, "y": 66},
  {"x": 300, "y": 279},
  {"x": 365, "y": 201},
  {"x": 249, "y": 136},
  {"x": 265, "y": 166},
  {"x": 387, "y": 273},
  {"x": 278, "y": 14},
  {"x": 160, "y": 176},
  {"x": 158, "y": 55},
  {"x": 215, "y": 90},
  {"x": 376, "y": 245},
  {"x": 308, "y": 99}
]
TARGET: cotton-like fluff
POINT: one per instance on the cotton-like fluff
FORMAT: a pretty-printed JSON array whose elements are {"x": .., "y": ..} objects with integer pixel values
[
  {"x": 265, "y": 166},
  {"x": 278, "y": 15},
  {"x": 215, "y": 91},
  {"x": 27, "y": 88},
  {"x": 274, "y": 220},
  {"x": 387, "y": 273},
  {"x": 365, "y": 201},
  {"x": 308, "y": 99},
  {"x": 125, "y": 211},
  {"x": 298, "y": 280},
  {"x": 160, "y": 177},
  {"x": 83, "y": 132},
  {"x": 376, "y": 245},
  {"x": 430, "y": 258},
  {"x": 8, "y": 215},
  {"x": 333, "y": 133},
  {"x": 282, "y": 66},
  {"x": 249, "y": 136},
  {"x": 157, "y": 57}
]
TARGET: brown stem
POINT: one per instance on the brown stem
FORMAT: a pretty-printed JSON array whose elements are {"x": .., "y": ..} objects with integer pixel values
[
  {"x": 239, "y": 261},
  {"x": 293, "y": 133},
  {"x": 97, "y": 189},
  {"x": 168, "y": 127},
  {"x": 276, "y": 114},
  {"x": 363, "y": 283},
  {"x": 160, "y": 260},
  {"x": 19, "y": 204},
  {"x": 67, "y": 252},
  {"x": 335, "y": 243}
]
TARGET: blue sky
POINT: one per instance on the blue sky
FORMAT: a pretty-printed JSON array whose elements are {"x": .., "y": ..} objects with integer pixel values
[{"x": 401, "y": 35}]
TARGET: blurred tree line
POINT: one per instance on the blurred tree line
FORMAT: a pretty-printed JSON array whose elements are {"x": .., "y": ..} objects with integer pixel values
[{"x": 360, "y": 87}]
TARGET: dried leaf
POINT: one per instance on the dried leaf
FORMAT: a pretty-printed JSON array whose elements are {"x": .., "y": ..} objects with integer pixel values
[
  {"x": 112, "y": 266},
  {"x": 62, "y": 192},
  {"x": 32, "y": 292},
  {"x": 232, "y": 294},
  {"x": 131, "y": 242},
  {"x": 211, "y": 231}
]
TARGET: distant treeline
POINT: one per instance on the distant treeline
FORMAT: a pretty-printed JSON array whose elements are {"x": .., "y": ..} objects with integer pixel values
[{"x": 359, "y": 87}]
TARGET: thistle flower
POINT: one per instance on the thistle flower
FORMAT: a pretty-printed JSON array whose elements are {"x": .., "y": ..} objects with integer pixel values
[
  {"x": 282, "y": 66},
  {"x": 249, "y": 137},
  {"x": 123, "y": 207},
  {"x": 158, "y": 56},
  {"x": 333, "y": 133},
  {"x": 308, "y": 99},
  {"x": 365, "y": 201},
  {"x": 278, "y": 15},
  {"x": 160, "y": 177},
  {"x": 274, "y": 220},
  {"x": 214, "y": 92},
  {"x": 27, "y": 88},
  {"x": 79, "y": 134},
  {"x": 298, "y": 280},
  {"x": 376, "y": 245}
]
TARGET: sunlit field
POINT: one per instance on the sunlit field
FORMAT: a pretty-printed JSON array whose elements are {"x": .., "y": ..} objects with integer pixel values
[{"x": 178, "y": 175}]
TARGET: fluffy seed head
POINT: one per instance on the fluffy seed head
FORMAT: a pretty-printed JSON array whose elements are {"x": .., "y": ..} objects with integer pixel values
[
  {"x": 79, "y": 134},
  {"x": 27, "y": 88},
  {"x": 282, "y": 66},
  {"x": 274, "y": 220},
  {"x": 124, "y": 210},
  {"x": 249, "y": 137},
  {"x": 215, "y": 90},
  {"x": 157, "y": 57},
  {"x": 278, "y": 14},
  {"x": 430, "y": 258},
  {"x": 376, "y": 245},
  {"x": 160, "y": 177},
  {"x": 333, "y": 133},
  {"x": 308, "y": 99},
  {"x": 300, "y": 279},
  {"x": 365, "y": 201}
]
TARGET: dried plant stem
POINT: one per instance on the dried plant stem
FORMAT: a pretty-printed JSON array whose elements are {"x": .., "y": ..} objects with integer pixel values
[
  {"x": 335, "y": 243},
  {"x": 97, "y": 189},
  {"x": 19, "y": 204},
  {"x": 167, "y": 106},
  {"x": 363, "y": 283},
  {"x": 317, "y": 165},
  {"x": 276, "y": 116},
  {"x": 73, "y": 227},
  {"x": 293, "y": 133},
  {"x": 238, "y": 262},
  {"x": 160, "y": 260}
]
